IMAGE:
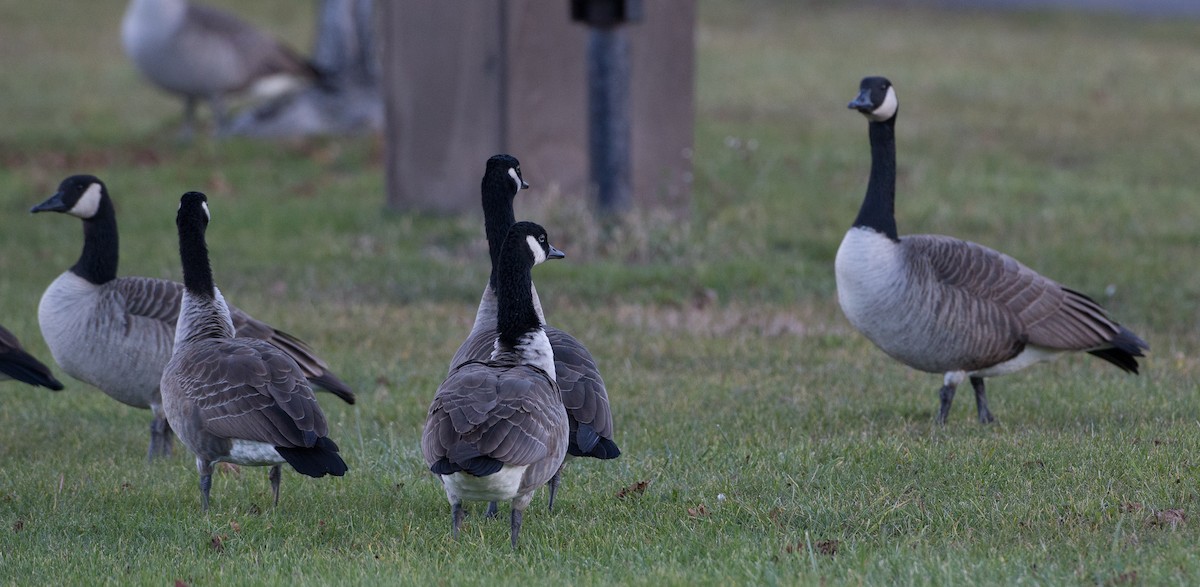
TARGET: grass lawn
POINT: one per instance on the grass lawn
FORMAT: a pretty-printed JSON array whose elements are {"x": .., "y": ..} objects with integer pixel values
[{"x": 764, "y": 440}]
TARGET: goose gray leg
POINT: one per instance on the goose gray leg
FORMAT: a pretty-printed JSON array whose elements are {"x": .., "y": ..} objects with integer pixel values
[
  {"x": 947, "y": 396},
  {"x": 189, "y": 119},
  {"x": 493, "y": 510},
  {"x": 206, "y": 470},
  {"x": 985, "y": 415},
  {"x": 516, "y": 525},
  {"x": 274, "y": 476},
  {"x": 456, "y": 518},
  {"x": 160, "y": 438},
  {"x": 553, "y": 484}
]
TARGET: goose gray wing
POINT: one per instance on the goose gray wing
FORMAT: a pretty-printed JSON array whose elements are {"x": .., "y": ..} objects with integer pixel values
[
  {"x": 503, "y": 413},
  {"x": 584, "y": 397},
  {"x": 146, "y": 297},
  {"x": 313, "y": 366},
  {"x": 991, "y": 290},
  {"x": 270, "y": 56},
  {"x": 248, "y": 389},
  {"x": 477, "y": 347},
  {"x": 16, "y": 363}
]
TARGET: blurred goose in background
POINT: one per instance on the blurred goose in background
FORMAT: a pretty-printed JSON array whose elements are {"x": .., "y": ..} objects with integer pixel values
[
  {"x": 202, "y": 53},
  {"x": 117, "y": 333},
  {"x": 17, "y": 364},
  {"x": 578, "y": 378},
  {"x": 497, "y": 429},
  {"x": 944, "y": 305},
  {"x": 235, "y": 400}
]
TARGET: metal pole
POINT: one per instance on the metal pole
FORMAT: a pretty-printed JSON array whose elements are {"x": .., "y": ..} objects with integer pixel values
[{"x": 608, "y": 118}]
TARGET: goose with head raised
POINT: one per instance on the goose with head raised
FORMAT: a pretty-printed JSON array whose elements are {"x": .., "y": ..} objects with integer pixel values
[
  {"x": 943, "y": 305},
  {"x": 117, "y": 333},
  {"x": 235, "y": 400},
  {"x": 497, "y": 429}
]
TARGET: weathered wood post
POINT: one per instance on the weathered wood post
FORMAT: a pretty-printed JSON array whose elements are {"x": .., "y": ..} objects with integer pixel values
[{"x": 466, "y": 79}]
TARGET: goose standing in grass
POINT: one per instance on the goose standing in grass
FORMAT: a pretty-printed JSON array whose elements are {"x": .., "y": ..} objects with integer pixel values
[
  {"x": 497, "y": 429},
  {"x": 235, "y": 400},
  {"x": 201, "y": 53},
  {"x": 582, "y": 388},
  {"x": 17, "y": 364},
  {"x": 117, "y": 333},
  {"x": 943, "y": 305}
]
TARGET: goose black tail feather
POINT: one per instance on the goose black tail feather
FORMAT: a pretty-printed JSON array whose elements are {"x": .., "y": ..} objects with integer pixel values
[
  {"x": 1126, "y": 347},
  {"x": 319, "y": 460},
  {"x": 329, "y": 382},
  {"x": 478, "y": 466},
  {"x": 584, "y": 442},
  {"x": 30, "y": 371}
]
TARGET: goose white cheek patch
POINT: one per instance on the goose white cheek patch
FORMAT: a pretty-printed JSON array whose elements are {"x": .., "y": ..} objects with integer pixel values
[
  {"x": 539, "y": 255},
  {"x": 888, "y": 108},
  {"x": 516, "y": 178},
  {"x": 205, "y": 206},
  {"x": 88, "y": 203}
]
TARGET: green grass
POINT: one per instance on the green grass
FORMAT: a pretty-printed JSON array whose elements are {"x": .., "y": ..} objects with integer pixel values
[{"x": 778, "y": 445}]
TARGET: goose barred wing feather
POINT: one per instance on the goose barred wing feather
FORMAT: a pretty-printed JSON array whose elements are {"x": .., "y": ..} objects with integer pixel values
[
  {"x": 1003, "y": 294},
  {"x": 246, "y": 39},
  {"x": 313, "y": 366},
  {"x": 505, "y": 413},
  {"x": 248, "y": 389},
  {"x": 477, "y": 347},
  {"x": 157, "y": 299}
]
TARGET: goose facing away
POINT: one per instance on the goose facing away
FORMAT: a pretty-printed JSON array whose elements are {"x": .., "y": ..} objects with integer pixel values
[
  {"x": 17, "y": 364},
  {"x": 497, "y": 429},
  {"x": 943, "y": 305},
  {"x": 202, "y": 53},
  {"x": 117, "y": 333},
  {"x": 235, "y": 400},
  {"x": 578, "y": 377}
]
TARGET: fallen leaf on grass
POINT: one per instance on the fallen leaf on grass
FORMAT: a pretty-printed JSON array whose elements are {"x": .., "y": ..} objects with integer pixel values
[
  {"x": 233, "y": 525},
  {"x": 181, "y": 583},
  {"x": 1130, "y": 506},
  {"x": 825, "y": 547},
  {"x": 1172, "y": 518},
  {"x": 18, "y": 525},
  {"x": 699, "y": 511},
  {"x": 218, "y": 542},
  {"x": 635, "y": 489}
]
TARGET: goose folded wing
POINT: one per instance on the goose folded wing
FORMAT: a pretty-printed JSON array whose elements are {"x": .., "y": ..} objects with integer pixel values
[
  {"x": 145, "y": 297},
  {"x": 247, "y": 326},
  {"x": 499, "y": 413},
  {"x": 1046, "y": 313},
  {"x": 250, "y": 390},
  {"x": 583, "y": 392}
]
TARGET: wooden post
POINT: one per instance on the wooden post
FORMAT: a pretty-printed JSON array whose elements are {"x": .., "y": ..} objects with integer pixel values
[{"x": 466, "y": 79}]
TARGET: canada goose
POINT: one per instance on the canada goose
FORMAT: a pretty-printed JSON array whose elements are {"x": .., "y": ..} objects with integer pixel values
[
  {"x": 17, "y": 364},
  {"x": 202, "y": 53},
  {"x": 579, "y": 381},
  {"x": 943, "y": 305},
  {"x": 235, "y": 400},
  {"x": 497, "y": 429},
  {"x": 116, "y": 333}
]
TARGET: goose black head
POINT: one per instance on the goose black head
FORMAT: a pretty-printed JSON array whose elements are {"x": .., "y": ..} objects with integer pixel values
[
  {"x": 505, "y": 168},
  {"x": 193, "y": 208},
  {"x": 78, "y": 195},
  {"x": 536, "y": 239},
  {"x": 876, "y": 99}
]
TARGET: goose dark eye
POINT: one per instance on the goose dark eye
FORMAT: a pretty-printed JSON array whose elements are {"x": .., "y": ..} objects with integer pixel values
[{"x": 542, "y": 238}]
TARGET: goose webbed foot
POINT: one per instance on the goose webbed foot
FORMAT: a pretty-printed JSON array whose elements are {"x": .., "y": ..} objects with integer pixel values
[
  {"x": 985, "y": 415},
  {"x": 274, "y": 475},
  {"x": 493, "y": 510}
]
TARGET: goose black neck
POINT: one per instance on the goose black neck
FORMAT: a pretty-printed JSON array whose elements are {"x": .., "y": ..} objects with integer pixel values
[
  {"x": 498, "y": 216},
  {"x": 193, "y": 252},
  {"x": 515, "y": 314},
  {"x": 878, "y": 211},
  {"x": 101, "y": 249}
]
